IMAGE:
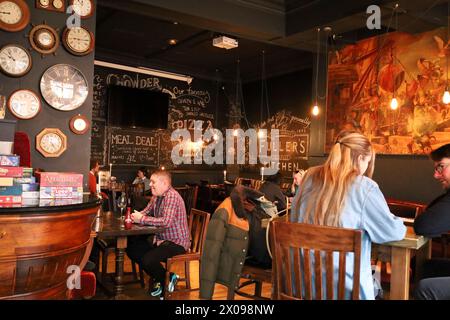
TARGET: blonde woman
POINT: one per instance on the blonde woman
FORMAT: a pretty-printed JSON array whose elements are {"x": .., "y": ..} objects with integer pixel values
[{"x": 341, "y": 193}]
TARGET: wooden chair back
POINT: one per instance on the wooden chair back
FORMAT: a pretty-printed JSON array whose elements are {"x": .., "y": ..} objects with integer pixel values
[
  {"x": 296, "y": 243},
  {"x": 198, "y": 224},
  {"x": 189, "y": 195},
  {"x": 405, "y": 209}
]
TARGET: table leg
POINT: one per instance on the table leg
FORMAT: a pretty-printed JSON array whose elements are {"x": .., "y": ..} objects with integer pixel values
[
  {"x": 400, "y": 262},
  {"x": 423, "y": 254},
  {"x": 118, "y": 280}
]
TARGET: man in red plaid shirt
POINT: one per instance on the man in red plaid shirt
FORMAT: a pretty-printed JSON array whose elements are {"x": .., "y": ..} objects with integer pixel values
[{"x": 165, "y": 209}]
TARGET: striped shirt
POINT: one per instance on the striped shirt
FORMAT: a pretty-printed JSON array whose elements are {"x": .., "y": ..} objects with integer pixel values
[{"x": 168, "y": 211}]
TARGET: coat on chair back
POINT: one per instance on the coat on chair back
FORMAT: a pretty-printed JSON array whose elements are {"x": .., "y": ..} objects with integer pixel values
[{"x": 226, "y": 243}]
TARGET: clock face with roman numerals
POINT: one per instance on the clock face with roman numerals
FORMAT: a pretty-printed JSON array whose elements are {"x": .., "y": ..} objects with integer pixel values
[
  {"x": 64, "y": 87},
  {"x": 15, "y": 60}
]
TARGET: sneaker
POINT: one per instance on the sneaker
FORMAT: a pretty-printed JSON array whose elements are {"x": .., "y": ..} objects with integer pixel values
[
  {"x": 156, "y": 290},
  {"x": 172, "y": 282}
]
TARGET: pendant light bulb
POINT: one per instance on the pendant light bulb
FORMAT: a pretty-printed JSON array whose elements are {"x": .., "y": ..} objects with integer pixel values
[
  {"x": 261, "y": 133},
  {"x": 394, "y": 104},
  {"x": 446, "y": 97},
  {"x": 315, "y": 110}
]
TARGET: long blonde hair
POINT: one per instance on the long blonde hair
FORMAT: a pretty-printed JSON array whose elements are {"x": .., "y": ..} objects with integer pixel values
[{"x": 326, "y": 186}]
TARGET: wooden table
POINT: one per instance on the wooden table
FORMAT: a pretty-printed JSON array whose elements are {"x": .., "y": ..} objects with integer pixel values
[
  {"x": 111, "y": 226},
  {"x": 399, "y": 253}
]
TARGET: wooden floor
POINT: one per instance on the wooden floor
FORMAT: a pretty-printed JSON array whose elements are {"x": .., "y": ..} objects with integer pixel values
[{"x": 135, "y": 292}]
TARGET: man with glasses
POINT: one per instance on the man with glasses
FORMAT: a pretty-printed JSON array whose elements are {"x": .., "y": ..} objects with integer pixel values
[{"x": 432, "y": 223}]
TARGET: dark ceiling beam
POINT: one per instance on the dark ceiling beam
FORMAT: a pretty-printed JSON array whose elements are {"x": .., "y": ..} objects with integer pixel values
[
  {"x": 100, "y": 21},
  {"x": 223, "y": 16},
  {"x": 416, "y": 16},
  {"x": 410, "y": 19},
  {"x": 323, "y": 13},
  {"x": 307, "y": 39}
]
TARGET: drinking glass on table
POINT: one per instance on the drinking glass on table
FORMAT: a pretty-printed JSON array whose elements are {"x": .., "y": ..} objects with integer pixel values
[{"x": 122, "y": 203}]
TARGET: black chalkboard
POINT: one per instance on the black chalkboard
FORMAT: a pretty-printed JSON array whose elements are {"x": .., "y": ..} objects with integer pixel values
[
  {"x": 99, "y": 99},
  {"x": 133, "y": 147},
  {"x": 188, "y": 103},
  {"x": 98, "y": 141},
  {"x": 165, "y": 149}
]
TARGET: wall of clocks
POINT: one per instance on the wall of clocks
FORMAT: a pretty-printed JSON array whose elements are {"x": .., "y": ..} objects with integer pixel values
[{"x": 47, "y": 85}]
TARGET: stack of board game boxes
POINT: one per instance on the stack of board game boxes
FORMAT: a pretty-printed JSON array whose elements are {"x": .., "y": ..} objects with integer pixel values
[{"x": 16, "y": 183}]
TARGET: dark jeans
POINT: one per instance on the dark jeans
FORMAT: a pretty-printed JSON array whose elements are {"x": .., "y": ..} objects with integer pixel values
[
  {"x": 150, "y": 256},
  {"x": 435, "y": 284}
]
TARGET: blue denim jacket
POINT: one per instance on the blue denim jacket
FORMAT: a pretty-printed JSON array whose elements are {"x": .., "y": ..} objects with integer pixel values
[{"x": 365, "y": 209}]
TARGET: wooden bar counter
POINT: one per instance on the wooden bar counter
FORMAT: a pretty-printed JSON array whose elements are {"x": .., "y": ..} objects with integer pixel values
[{"x": 39, "y": 242}]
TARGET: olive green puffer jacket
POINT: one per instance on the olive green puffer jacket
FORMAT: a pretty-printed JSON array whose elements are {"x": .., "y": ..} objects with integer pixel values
[{"x": 224, "y": 250}]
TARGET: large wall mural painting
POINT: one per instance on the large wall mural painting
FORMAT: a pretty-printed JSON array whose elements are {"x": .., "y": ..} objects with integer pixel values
[{"x": 364, "y": 77}]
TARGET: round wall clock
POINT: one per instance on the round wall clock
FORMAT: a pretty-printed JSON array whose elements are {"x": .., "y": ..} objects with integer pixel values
[
  {"x": 84, "y": 8},
  {"x": 15, "y": 60},
  {"x": 51, "y": 142},
  {"x": 78, "y": 40},
  {"x": 44, "y": 39},
  {"x": 24, "y": 104},
  {"x": 79, "y": 124},
  {"x": 52, "y": 5},
  {"x": 14, "y": 15},
  {"x": 64, "y": 87}
]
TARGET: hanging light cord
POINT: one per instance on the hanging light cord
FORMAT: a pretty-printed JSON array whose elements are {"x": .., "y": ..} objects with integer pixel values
[
  {"x": 448, "y": 38},
  {"x": 239, "y": 92},
  {"x": 264, "y": 90},
  {"x": 265, "y": 86},
  {"x": 393, "y": 52},
  {"x": 317, "y": 66},
  {"x": 319, "y": 96},
  {"x": 216, "y": 120}
]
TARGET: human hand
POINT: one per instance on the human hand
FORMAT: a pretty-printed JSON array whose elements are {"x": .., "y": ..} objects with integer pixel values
[
  {"x": 136, "y": 216},
  {"x": 298, "y": 177}
]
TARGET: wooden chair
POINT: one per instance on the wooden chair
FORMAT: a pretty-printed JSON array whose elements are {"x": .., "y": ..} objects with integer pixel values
[
  {"x": 198, "y": 224},
  {"x": 410, "y": 210},
  {"x": 189, "y": 195},
  {"x": 289, "y": 268},
  {"x": 254, "y": 275},
  {"x": 405, "y": 209}
]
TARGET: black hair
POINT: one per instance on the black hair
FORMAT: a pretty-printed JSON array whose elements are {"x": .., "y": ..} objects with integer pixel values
[
  {"x": 440, "y": 153},
  {"x": 93, "y": 164},
  {"x": 144, "y": 170}
]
